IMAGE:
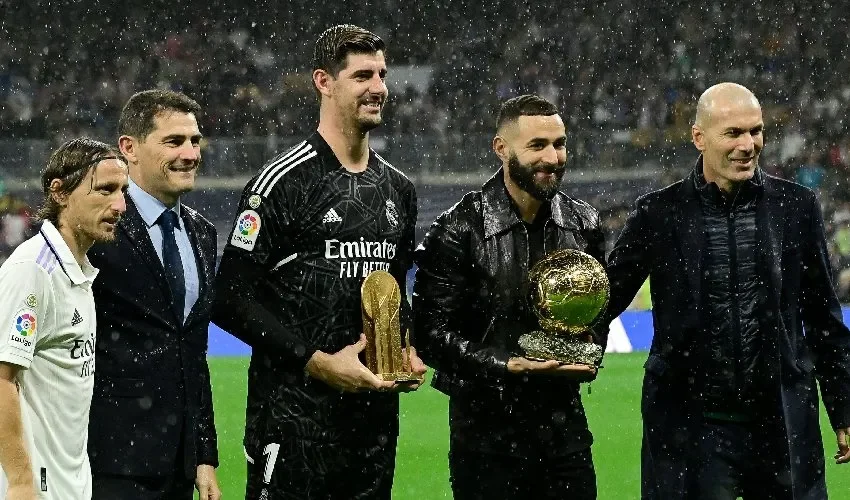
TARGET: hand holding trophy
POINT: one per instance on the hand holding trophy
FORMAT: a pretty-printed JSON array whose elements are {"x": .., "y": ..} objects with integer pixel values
[
  {"x": 385, "y": 355},
  {"x": 569, "y": 289}
]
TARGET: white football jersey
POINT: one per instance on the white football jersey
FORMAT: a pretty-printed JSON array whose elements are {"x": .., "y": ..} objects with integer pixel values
[{"x": 47, "y": 328}]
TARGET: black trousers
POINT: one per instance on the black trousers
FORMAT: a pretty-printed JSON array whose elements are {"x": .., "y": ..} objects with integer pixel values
[
  {"x": 300, "y": 469},
  {"x": 530, "y": 442},
  {"x": 477, "y": 475},
  {"x": 175, "y": 487},
  {"x": 732, "y": 460},
  {"x": 122, "y": 487}
]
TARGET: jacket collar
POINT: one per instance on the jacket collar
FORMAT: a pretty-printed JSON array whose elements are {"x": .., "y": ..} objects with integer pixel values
[
  {"x": 500, "y": 212},
  {"x": 709, "y": 191},
  {"x": 770, "y": 219}
]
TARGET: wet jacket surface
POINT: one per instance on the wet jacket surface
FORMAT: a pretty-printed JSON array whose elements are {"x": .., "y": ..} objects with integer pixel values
[
  {"x": 470, "y": 308},
  {"x": 152, "y": 402},
  {"x": 732, "y": 353},
  {"x": 805, "y": 340}
]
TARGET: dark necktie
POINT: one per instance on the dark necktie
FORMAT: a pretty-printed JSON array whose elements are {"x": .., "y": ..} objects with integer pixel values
[{"x": 172, "y": 263}]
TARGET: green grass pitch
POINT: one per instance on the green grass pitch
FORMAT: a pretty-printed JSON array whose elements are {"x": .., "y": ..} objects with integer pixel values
[{"x": 422, "y": 467}]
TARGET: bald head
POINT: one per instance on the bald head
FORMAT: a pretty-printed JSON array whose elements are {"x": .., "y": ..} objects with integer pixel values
[
  {"x": 723, "y": 98},
  {"x": 729, "y": 132}
]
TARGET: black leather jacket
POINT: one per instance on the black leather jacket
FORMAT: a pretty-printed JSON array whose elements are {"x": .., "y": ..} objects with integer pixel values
[{"x": 469, "y": 298}]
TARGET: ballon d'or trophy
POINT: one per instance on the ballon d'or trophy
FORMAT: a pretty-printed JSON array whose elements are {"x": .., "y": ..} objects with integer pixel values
[
  {"x": 568, "y": 291},
  {"x": 380, "y": 300}
]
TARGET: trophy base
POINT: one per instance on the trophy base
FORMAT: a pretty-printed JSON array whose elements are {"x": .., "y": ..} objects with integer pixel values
[
  {"x": 544, "y": 346},
  {"x": 401, "y": 377}
]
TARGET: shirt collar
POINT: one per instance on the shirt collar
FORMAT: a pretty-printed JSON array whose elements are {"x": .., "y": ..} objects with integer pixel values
[
  {"x": 149, "y": 207},
  {"x": 500, "y": 213},
  {"x": 77, "y": 274}
]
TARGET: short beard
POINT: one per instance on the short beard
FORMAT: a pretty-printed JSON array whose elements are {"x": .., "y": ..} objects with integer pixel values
[
  {"x": 367, "y": 125},
  {"x": 364, "y": 124},
  {"x": 102, "y": 237},
  {"x": 523, "y": 176}
]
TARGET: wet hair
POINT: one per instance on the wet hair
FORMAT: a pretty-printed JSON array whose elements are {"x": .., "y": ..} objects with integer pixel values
[
  {"x": 335, "y": 43},
  {"x": 70, "y": 163},
  {"x": 524, "y": 105},
  {"x": 137, "y": 117}
]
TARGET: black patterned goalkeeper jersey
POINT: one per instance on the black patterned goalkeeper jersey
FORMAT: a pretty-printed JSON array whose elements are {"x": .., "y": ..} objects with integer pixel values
[{"x": 306, "y": 235}]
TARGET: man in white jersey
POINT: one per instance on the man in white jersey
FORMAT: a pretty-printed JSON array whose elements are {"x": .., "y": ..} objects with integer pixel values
[{"x": 47, "y": 326}]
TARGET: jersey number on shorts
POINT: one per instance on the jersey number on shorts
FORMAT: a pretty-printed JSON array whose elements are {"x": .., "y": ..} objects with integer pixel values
[{"x": 270, "y": 452}]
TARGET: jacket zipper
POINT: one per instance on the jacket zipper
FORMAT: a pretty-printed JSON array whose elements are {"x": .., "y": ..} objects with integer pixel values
[{"x": 734, "y": 299}]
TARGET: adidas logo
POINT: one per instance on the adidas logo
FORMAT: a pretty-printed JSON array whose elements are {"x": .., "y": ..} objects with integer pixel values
[
  {"x": 77, "y": 319},
  {"x": 331, "y": 216}
]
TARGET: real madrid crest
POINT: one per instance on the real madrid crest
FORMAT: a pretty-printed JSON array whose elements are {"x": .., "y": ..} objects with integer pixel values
[{"x": 392, "y": 213}]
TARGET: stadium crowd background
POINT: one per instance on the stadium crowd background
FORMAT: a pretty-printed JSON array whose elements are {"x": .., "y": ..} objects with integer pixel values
[{"x": 625, "y": 74}]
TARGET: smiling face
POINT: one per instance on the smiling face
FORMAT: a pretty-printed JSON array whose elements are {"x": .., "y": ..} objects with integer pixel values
[
  {"x": 164, "y": 164},
  {"x": 534, "y": 150},
  {"x": 730, "y": 134},
  {"x": 358, "y": 92},
  {"x": 94, "y": 207}
]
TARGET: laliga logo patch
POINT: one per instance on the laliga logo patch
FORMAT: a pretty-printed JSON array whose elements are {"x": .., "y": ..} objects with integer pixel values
[
  {"x": 25, "y": 324},
  {"x": 246, "y": 231},
  {"x": 23, "y": 330},
  {"x": 248, "y": 224},
  {"x": 392, "y": 213}
]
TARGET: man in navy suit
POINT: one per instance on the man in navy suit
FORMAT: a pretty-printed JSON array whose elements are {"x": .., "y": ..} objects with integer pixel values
[{"x": 152, "y": 433}]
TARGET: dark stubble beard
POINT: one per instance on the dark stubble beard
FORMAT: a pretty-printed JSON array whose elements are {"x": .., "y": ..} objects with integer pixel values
[
  {"x": 523, "y": 176},
  {"x": 367, "y": 124}
]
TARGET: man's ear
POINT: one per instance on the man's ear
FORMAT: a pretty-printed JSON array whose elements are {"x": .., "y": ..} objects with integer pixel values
[
  {"x": 501, "y": 148},
  {"x": 56, "y": 193},
  {"x": 127, "y": 145},
  {"x": 698, "y": 137},
  {"x": 323, "y": 82}
]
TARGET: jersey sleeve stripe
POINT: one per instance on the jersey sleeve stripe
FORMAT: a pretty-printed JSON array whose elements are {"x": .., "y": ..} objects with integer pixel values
[
  {"x": 276, "y": 165},
  {"x": 46, "y": 259},
  {"x": 286, "y": 260},
  {"x": 389, "y": 165},
  {"x": 42, "y": 253},
  {"x": 283, "y": 172}
]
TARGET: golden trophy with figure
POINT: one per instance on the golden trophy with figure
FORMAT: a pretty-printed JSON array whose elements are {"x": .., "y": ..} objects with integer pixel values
[
  {"x": 568, "y": 291},
  {"x": 386, "y": 357}
]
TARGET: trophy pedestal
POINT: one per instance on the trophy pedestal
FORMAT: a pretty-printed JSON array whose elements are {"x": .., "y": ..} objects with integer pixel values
[
  {"x": 545, "y": 346},
  {"x": 401, "y": 377}
]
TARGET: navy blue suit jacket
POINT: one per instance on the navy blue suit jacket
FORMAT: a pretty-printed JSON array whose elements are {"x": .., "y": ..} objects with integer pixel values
[{"x": 152, "y": 403}]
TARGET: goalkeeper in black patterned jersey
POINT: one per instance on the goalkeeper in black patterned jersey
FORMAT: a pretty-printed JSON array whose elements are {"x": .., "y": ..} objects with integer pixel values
[{"x": 311, "y": 226}]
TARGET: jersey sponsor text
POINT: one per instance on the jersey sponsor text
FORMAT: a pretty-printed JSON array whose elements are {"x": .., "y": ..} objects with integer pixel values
[{"x": 362, "y": 249}]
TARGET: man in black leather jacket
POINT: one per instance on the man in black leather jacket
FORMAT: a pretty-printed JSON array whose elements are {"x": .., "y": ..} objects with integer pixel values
[{"x": 518, "y": 428}]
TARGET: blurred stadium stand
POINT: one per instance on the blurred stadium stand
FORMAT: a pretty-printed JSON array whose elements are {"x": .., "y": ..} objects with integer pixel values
[{"x": 626, "y": 75}]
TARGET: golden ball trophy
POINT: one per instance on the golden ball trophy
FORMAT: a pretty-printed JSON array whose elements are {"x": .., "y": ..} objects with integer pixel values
[{"x": 568, "y": 291}]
